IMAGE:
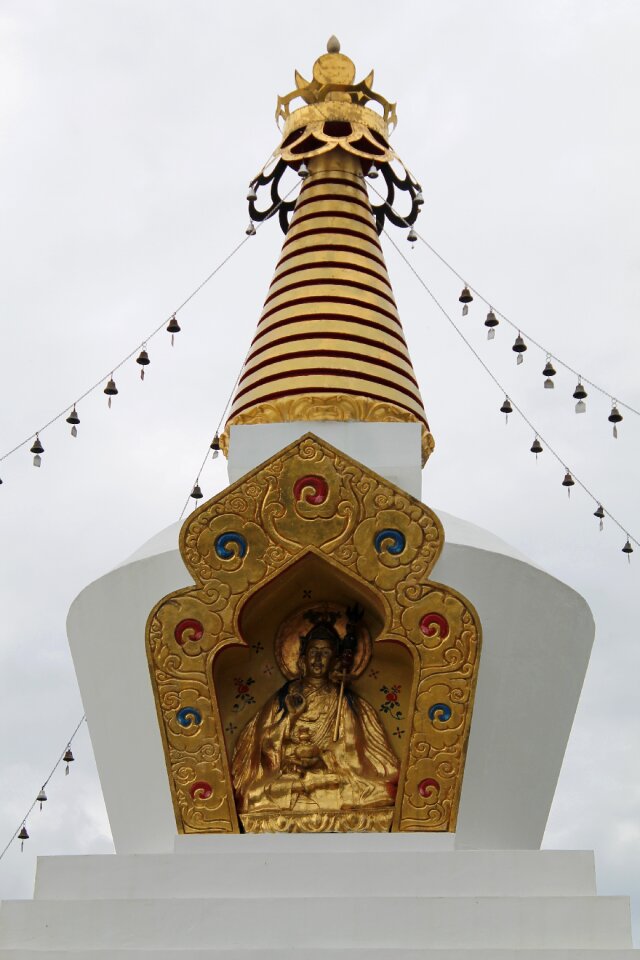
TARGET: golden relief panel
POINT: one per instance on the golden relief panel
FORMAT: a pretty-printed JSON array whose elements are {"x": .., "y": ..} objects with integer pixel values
[
  {"x": 337, "y": 406},
  {"x": 313, "y": 678}
]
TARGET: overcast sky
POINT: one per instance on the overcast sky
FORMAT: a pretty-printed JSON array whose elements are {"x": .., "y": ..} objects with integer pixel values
[{"x": 129, "y": 133}]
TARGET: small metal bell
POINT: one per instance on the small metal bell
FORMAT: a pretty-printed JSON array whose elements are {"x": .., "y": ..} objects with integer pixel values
[
  {"x": 536, "y": 447},
  {"x": 68, "y": 758},
  {"x": 22, "y": 836},
  {"x": 419, "y": 199},
  {"x": 491, "y": 322},
  {"x": 111, "y": 389},
  {"x": 42, "y": 796},
  {"x": 197, "y": 493},
  {"x": 615, "y": 417},
  {"x": 568, "y": 482},
  {"x": 628, "y": 549},
  {"x": 143, "y": 360},
  {"x": 373, "y": 172},
  {"x": 215, "y": 447},
  {"x": 599, "y": 513},
  {"x": 74, "y": 420},
  {"x": 37, "y": 449},
  {"x": 173, "y": 327},
  {"x": 506, "y": 408},
  {"x": 251, "y": 230},
  {"x": 252, "y": 195},
  {"x": 579, "y": 393},
  {"x": 303, "y": 171},
  {"x": 412, "y": 236},
  {"x": 465, "y": 299},
  {"x": 548, "y": 372},
  {"x": 519, "y": 347}
]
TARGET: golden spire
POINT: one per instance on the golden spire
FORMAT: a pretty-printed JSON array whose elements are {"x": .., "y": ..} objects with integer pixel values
[{"x": 329, "y": 343}]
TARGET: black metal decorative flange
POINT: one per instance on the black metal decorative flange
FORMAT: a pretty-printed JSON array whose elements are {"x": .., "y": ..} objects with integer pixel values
[
  {"x": 385, "y": 210},
  {"x": 284, "y": 208}
]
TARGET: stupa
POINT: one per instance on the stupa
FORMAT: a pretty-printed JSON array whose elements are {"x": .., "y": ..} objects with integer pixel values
[{"x": 344, "y": 714}]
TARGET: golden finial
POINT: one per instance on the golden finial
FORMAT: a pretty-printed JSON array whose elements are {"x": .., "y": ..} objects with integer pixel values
[{"x": 333, "y": 101}]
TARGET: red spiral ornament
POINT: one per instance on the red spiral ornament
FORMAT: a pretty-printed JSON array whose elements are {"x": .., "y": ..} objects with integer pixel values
[
  {"x": 194, "y": 626},
  {"x": 427, "y": 786},
  {"x": 318, "y": 492},
  {"x": 434, "y": 625},
  {"x": 200, "y": 790}
]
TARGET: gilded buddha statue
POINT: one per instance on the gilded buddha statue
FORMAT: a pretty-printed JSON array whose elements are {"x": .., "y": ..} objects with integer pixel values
[{"x": 315, "y": 755}]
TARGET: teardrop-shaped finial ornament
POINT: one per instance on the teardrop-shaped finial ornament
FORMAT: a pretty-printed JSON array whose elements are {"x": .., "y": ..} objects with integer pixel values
[{"x": 333, "y": 44}]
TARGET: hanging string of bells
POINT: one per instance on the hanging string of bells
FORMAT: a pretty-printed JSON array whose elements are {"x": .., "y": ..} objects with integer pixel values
[
  {"x": 491, "y": 322},
  {"x": 66, "y": 757},
  {"x": 507, "y": 407},
  {"x": 196, "y": 492},
  {"x": 142, "y": 359},
  {"x": 519, "y": 347}
]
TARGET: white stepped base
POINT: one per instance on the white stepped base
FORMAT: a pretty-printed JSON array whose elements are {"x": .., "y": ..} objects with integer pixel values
[
  {"x": 392, "y": 922},
  {"x": 321, "y": 898},
  {"x": 301, "y": 874}
]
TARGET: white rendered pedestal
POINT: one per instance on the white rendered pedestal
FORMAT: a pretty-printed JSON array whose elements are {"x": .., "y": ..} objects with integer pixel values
[{"x": 333, "y": 897}]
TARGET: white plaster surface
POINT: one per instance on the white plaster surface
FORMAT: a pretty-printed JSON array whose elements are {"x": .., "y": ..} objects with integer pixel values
[
  {"x": 329, "y": 897},
  {"x": 391, "y": 449},
  {"x": 281, "y": 872},
  {"x": 351, "y": 921},
  {"x": 537, "y": 636}
]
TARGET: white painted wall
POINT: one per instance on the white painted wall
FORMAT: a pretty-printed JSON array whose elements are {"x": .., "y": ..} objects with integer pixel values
[{"x": 391, "y": 449}]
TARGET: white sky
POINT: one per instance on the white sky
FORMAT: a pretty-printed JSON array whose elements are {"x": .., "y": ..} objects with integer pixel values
[{"x": 129, "y": 133}]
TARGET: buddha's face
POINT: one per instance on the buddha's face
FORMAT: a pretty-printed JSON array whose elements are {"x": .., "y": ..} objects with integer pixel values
[{"x": 318, "y": 658}]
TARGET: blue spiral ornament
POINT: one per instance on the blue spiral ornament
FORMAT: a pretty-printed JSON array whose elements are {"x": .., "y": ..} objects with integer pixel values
[
  {"x": 440, "y": 711},
  {"x": 222, "y": 545},
  {"x": 188, "y": 716},
  {"x": 393, "y": 541}
]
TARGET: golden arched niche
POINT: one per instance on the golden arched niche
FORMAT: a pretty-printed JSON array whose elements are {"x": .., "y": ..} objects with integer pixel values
[
  {"x": 248, "y": 675},
  {"x": 313, "y": 527}
]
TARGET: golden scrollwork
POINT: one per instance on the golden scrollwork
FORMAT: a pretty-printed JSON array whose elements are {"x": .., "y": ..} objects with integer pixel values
[
  {"x": 311, "y": 504},
  {"x": 339, "y": 406}
]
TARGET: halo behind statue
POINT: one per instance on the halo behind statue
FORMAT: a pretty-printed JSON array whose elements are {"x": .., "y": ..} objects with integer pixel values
[{"x": 287, "y": 641}]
